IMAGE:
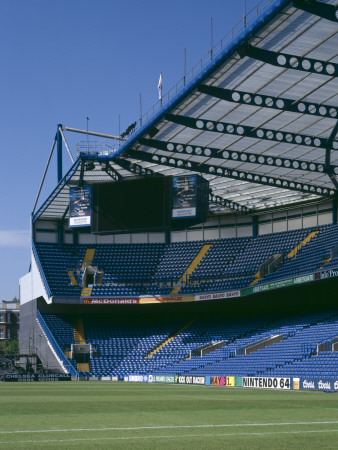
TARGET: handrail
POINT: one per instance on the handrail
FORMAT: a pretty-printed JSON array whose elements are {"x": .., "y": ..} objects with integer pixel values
[{"x": 68, "y": 365}]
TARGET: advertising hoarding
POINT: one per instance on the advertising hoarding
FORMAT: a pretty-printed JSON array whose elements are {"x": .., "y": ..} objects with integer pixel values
[
  {"x": 80, "y": 206},
  {"x": 184, "y": 196}
]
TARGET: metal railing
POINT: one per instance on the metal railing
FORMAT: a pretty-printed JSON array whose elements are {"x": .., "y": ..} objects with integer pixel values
[{"x": 56, "y": 347}]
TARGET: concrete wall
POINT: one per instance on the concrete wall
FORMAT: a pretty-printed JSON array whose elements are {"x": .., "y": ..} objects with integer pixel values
[{"x": 32, "y": 339}]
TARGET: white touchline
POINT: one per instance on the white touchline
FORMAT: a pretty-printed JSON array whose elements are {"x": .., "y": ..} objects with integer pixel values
[
  {"x": 162, "y": 427},
  {"x": 180, "y": 436}
]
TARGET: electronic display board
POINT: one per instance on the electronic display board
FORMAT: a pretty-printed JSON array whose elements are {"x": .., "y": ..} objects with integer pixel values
[{"x": 129, "y": 205}]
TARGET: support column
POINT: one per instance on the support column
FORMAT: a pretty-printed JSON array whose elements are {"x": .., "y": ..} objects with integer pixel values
[
  {"x": 255, "y": 227},
  {"x": 75, "y": 237},
  {"x": 59, "y": 153},
  {"x": 334, "y": 211},
  {"x": 167, "y": 236}
]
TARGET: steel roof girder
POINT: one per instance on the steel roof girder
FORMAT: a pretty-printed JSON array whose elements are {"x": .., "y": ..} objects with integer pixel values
[
  {"x": 329, "y": 12},
  {"x": 114, "y": 174},
  {"x": 217, "y": 200},
  {"x": 327, "y": 166},
  {"x": 135, "y": 168},
  {"x": 268, "y": 101},
  {"x": 215, "y": 170},
  {"x": 57, "y": 190},
  {"x": 288, "y": 61},
  {"x": 234, "y": 155},
  {"x": 246, "y": 131}
]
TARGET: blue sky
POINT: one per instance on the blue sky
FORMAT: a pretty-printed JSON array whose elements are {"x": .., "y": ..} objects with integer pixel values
[{"x": 67, "y": 60}]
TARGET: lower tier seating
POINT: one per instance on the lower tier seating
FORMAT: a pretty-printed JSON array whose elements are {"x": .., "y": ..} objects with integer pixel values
[{"x": 140, "y": 346}]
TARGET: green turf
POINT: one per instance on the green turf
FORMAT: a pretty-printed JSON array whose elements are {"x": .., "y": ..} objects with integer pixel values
[{"x": 109, "y": 415}]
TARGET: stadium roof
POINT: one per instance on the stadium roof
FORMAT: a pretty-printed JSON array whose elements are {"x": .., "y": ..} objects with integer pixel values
[{"x": 258, "y": 119}]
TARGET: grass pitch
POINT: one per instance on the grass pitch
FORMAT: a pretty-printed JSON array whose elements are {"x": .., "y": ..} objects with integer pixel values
[{"x": 107, "y": 415}]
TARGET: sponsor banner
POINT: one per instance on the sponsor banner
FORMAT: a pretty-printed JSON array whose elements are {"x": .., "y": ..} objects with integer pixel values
[
  {"x": 110, "y": 301},
  {"x": 80, "y": 206},
  {"x": 190, "y": 379},
  {"x": 163, "y": 379},
  {"x": 105, "y": 378},
  {"x": 295, "y": 384},
  {"x": 279, "y": 284},
  {"x": 218, "y": 381},
  {"x": 38, "y": 377},
  {"x": 217, "y": 295},
  {"x": 268, "y": 383},
  {"x": 230, "y": 381},
  {"x": 324, "y": 274},
  {"x": 319, "y": 384},
  {"x": 239, "y": 381},
  {"x": 187, "y": 298},
  {"x": 138, "y": 378},
  {"x": 221, "y": 381}
]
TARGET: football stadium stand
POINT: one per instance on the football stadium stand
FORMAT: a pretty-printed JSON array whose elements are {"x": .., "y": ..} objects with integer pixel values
[{"x": 206, "y": 241}]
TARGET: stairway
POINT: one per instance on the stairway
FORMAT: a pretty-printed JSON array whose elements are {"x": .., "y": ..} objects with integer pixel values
[
  {"x": 86, "y": 292},
  {"x": 88, "y": 257},
  {"x": 301, "y": 244},
  {"x": 71, "y": 275},
  {"x": 185, "y": 277},
  {"x": 168, "y": 339},
  {"x": 79, "y": 333}
]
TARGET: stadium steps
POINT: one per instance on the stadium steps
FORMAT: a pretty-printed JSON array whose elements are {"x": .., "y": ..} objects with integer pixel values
[
  {"x": 185, "y": 277},
  {"x": 326, "y": 261},
  {"x": 302, "y": 243},
  {"x": 79, "y": 333},
  {"x": 86, "y": 291},
  {"x": 257, "y": 278},
  {"x": 168, "y": 339},
  {"x": 83, "y": 367},
  {"x": 88, "y": 257},
  {"x": 73, "y": 281}
]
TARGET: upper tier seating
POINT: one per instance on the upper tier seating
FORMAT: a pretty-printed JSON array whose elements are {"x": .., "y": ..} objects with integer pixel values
[{"x": 155, "y": 269}]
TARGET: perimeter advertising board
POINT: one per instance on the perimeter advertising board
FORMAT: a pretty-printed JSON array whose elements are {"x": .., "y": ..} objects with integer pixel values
[
  {"x": 37, "y": 377},
  {"x": 319, "y": 384},
  {"x": 80, "y": 206},
  {"x": 162, "y": 379},
  {"x": 267, "y": 383},
  {"x": 111, "y": 301},
  {"x": 190, "y": 379}
]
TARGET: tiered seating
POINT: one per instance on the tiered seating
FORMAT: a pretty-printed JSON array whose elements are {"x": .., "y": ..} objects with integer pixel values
[
  {"x": 56, "y": 262},
  {"x": 311, "y": 257},
  {"x": 285, "y": 358},
  {"x": 125, "y": 263},
  {"x": 124, "y": 345},
  {"x": 176, "y": 259},
  {"x": 139, "y": 269},
  {"x": 258, "y": 250},
  {"x": 221, "y": 254},
  {"x": 61, "y": 327}
]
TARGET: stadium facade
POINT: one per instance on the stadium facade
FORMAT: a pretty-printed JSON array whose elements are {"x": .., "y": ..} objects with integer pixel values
[{"x": 205, "y": 242}]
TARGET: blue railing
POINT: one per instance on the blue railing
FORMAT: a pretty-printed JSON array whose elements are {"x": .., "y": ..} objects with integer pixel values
[
  {"x": 231, "y": 34},
  {"x": 57, "y": 349}
]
